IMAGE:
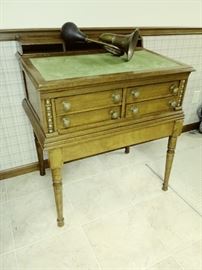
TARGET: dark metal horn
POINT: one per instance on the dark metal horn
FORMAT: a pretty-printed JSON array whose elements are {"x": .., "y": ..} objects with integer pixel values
[{"x": 71, "y": 34}]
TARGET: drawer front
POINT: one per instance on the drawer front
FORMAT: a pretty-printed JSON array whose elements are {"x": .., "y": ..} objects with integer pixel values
[
  {"x": 149, "y": 107},
  {"x": 152, "y": 91},
  {"x": 84, "y": 118},
  {"x": 72, "y": 104}
]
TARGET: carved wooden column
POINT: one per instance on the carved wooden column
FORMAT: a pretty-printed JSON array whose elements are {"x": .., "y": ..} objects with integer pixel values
[{"x": 56, "y": 163}]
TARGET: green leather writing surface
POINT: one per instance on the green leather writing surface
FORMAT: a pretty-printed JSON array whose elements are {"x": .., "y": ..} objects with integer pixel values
[{"x": 66, "y": 67}]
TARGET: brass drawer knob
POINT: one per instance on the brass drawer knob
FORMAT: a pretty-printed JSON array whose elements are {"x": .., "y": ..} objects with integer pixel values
[
  {"x": 173, "y": 103},
  {"x": 174, "y": 89},
  {"x": 134, "y": 110},
  {"x": 66, "y": 106},
  {"x": 116, "y": 98},
  {"x": 135, "y": 93},
  {"x": 66, "y": 122},
  {"x": 114, "y": 114}
]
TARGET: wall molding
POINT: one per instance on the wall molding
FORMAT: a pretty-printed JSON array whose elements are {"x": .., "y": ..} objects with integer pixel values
[
  {"x": 14, "y": 34},
  {"x": 34, "y": 166}
]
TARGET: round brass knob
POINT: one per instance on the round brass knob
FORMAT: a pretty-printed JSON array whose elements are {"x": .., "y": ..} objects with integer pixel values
[
  {"x": 114, "y": 114},
  {"x": 134, "y": 110},
  {"x": 66, "y": 106},
  {"x": 173, "y": 103},
  {"x": 174, "y": 89},
  {"x": 135, "y": 93},
  {"x": 116, "y": 98},
  {"x": 66, "y": 122}
]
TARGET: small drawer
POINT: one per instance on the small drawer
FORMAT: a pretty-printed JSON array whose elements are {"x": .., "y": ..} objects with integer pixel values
[
  {"x": 150, "y": 107},
  {"x": 152, "y": 91},
  {"x": 89, "y": 117},
  {"x": 72, "y": 104}
]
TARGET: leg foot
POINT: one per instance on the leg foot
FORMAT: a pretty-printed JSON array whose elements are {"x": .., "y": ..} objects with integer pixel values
[
  {"x": 165, "y": 188},
  {"x": 60, "y": 222},
  {"x": 127, "y": 149}
]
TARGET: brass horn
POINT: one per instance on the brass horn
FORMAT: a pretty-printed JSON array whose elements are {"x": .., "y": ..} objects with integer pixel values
[
  {"x": 126, "y": 43},
  {"x": 115, "y": 44}
]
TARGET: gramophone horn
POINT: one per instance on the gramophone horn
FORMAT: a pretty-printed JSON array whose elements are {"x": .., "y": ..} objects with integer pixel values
[
  {"x": 126, "y": 43},
  {"x": 71, "y": 34}
]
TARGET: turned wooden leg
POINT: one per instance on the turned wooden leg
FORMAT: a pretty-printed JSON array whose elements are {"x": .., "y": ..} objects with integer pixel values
[
  {"x": 169, "y": 160},
  {"x": 55, "y": 159},
  {"x": 39, "y": 151},
  {"x": 127, "y": 149}
]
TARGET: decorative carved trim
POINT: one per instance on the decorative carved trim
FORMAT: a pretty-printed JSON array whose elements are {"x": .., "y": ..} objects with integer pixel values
[
  {"x": 49, "y": 116},
  {"x": 181, "y": 92}
]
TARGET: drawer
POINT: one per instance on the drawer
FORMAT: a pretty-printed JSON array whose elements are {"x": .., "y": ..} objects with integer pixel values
[
  {"x": 89, "y": 117},
  {"x": 150, "y": 107},
  {"x": 89, "y": 101},
  {"x": 152, "y": 91}
]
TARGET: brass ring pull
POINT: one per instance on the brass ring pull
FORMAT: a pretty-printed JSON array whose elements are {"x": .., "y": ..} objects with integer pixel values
[
  {"x": 66, "y": 122},
  {"x": 134, "y": 110},
  {"x": 135, "y": 93},
  {"x": 66, "y": 106},
  {"x": 116, "y": 98},
  {"x": 114, "y": 114},
  {"x": 174, "y": 89}
]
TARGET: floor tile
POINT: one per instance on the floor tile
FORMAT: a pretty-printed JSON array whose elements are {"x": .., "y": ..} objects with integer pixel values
[
  {"x": 137, "y": 182},
  {"x": 69, "y": 250},
  {"x": 167, "y": 264},
  {"x": 185, "y": 176},
  {"x": 27, "y": 183},
  {"x": 174, "y": 222},
  {"x": 189, "y": 139},
  {"x": 94, "y": 197},
  {"x": 191, "y": 257},
  {"x": 8, "y": 261},
  {"x": 153, "y": 149},
  {"x": 118, "y": 158},
  {"x": 3, "y": 192},
  {"x": 6, "y": 235},
  {"x": 125, "y": 240},
  {"x": 140, "y": 236},
  {"x": 81, "y": 169},
  {"x": 111, "y": 191},
  {"x": 34, "y": 217}
]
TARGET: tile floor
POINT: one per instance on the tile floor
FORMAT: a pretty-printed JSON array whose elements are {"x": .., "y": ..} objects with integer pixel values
[{"x": 116, "y": 215}]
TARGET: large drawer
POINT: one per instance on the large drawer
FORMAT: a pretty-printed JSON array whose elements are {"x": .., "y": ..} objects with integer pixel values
[
  {"x": 89, "y": 117},
  {"x": 150, "y": 107},
  {"x": 72, "y": 104},
  {"x": 152, "y": 91}
]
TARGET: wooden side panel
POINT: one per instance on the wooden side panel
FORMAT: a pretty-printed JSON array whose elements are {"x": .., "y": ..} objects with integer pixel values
[{"x": 33, "y": 97}]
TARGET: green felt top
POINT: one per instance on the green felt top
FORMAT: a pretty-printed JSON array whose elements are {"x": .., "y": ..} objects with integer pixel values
[{"x": 66, "y": 67}]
